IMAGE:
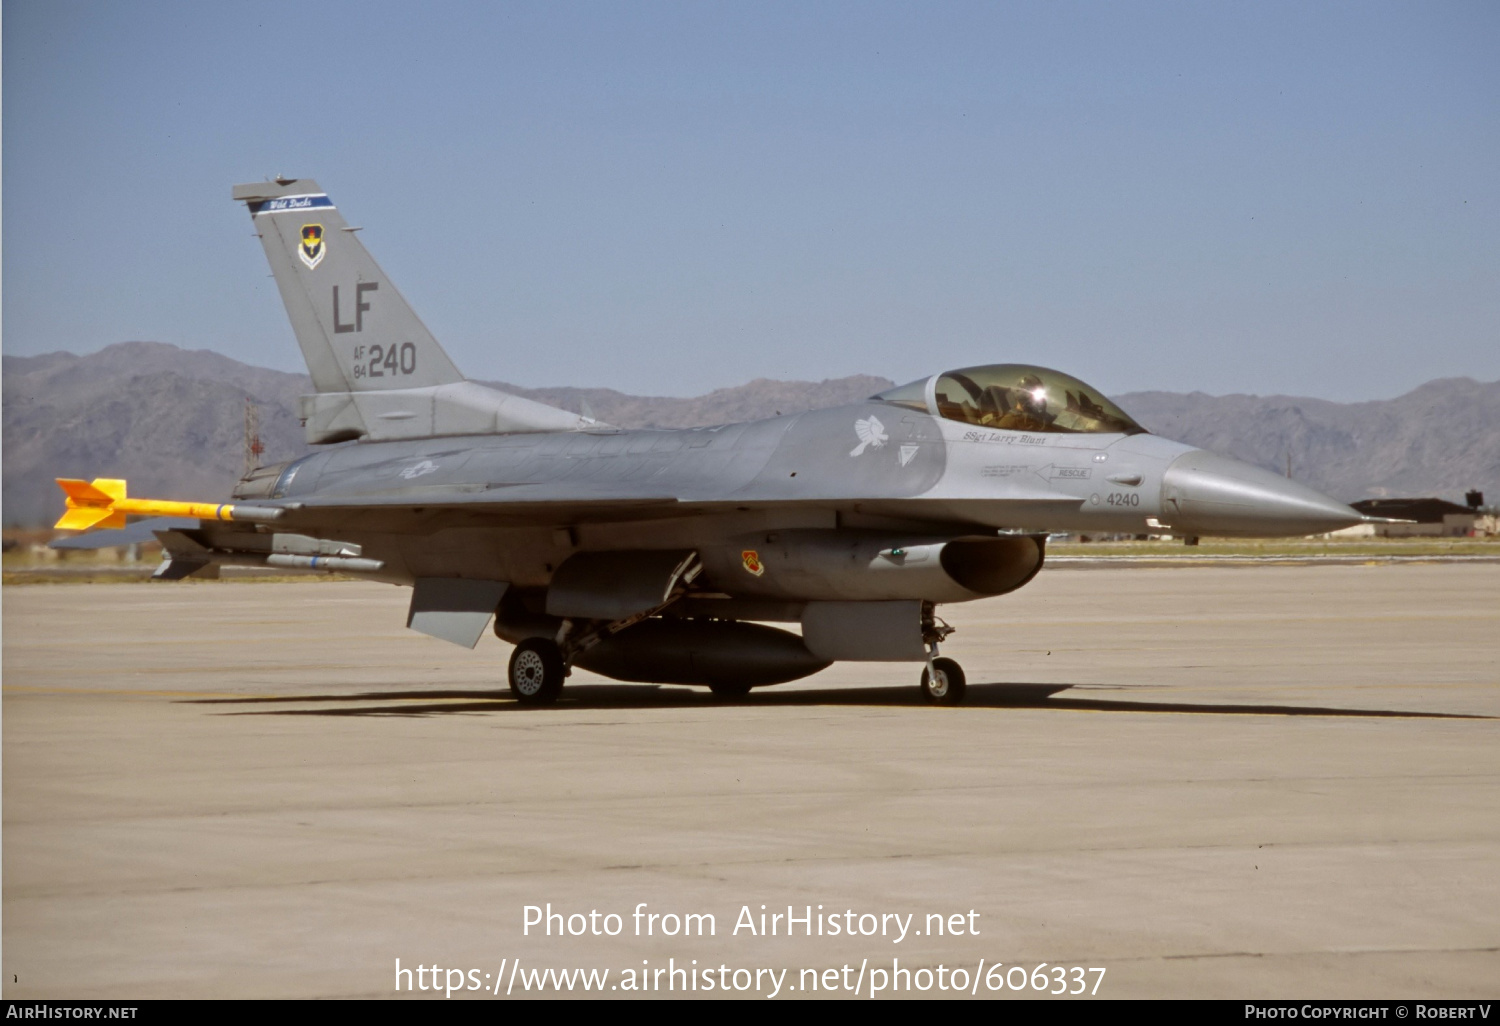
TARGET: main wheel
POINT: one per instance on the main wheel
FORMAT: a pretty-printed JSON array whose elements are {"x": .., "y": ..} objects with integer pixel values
[
  {"x": 537, "y": 671},
  {"x": 729, "y": 690},
  {"x": 949, "y": 685}
]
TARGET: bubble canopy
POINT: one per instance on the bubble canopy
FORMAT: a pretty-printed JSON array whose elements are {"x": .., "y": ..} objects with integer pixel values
[{"x": 1015, "y": 397}]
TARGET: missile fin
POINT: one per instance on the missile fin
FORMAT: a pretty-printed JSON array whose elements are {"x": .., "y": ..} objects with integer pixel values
[
  {"x": 113, "y": 487},
  {"x": 84, "y": 517},
  {"x": 85, "y": 493},
  {"x": 91, "y": 503}
]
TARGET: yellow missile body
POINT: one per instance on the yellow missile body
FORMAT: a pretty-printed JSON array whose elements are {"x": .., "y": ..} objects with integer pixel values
[{"x": 103, "y": 503}]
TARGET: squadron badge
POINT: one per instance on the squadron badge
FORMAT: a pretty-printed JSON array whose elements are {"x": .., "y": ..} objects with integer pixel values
[
  {"x": 313, "y": 248},
  {"x": 751, "y": 559},
  {"x": 871, "y": 433}
]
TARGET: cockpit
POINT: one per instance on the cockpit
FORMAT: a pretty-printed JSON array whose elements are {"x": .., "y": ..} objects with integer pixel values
[{"x": 1015, "y": 397}]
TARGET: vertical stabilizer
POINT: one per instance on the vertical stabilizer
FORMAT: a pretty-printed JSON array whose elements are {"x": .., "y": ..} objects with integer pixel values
[
  {"x": 356, "y": 331},
  {"x": 378, "y": 372}
]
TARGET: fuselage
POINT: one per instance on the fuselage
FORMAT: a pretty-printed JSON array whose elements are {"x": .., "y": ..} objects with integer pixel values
[{"x": 804, "y": 493}]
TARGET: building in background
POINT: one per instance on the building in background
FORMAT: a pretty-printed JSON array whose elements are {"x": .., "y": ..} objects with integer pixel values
[{"x": 1433, "y": 518}]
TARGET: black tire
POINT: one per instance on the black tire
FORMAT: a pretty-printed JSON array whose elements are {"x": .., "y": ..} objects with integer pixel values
[
  {"x": 729, "y": 690},
  {"x": 536, "y": 672},
  {"x": 950, "y": 687}
]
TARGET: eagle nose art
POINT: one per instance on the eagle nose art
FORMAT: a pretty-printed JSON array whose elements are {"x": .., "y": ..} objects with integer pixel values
[{"x": 1213, "y": 494}]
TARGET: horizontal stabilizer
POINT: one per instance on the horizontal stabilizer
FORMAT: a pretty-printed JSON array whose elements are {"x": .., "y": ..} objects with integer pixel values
[
  {"x": 174, "y": 569},
  {"x": 141, "y": 531}
]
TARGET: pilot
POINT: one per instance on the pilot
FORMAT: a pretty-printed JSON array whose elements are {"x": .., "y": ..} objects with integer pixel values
[{"x": 1028, "y": 406}]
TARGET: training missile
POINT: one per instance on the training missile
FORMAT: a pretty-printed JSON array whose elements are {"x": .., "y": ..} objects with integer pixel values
[
  {"x": 103, "y": 503},
  {"x": 348, "y": 563}
]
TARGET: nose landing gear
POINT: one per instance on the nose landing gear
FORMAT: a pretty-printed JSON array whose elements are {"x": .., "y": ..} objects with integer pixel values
[{"x": 943, "y": 680}]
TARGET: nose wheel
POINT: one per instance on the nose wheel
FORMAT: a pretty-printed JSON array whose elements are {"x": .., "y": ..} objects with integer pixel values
[
  {"x": 537, "y": 671},
  {"x": 943, "y": 682}
]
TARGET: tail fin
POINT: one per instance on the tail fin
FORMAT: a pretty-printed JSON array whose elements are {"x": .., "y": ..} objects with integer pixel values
[
  {"x": 91, "y": 504},
  {"x": 356, "y": 331},
  {"x": 378, "y": 371}
]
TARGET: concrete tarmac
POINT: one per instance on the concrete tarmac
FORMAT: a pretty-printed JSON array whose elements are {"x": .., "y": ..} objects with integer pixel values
[{"x": 1214, "y": 782}]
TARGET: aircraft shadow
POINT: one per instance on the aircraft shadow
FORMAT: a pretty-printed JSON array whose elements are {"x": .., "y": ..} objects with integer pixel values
[{"x": 651, "y": 696}]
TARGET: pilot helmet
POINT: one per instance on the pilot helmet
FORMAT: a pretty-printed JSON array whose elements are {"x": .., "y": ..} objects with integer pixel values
[{"x": 1031, "y": 392}]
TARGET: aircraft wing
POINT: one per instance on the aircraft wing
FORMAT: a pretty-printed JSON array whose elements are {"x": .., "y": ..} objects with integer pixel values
[
  {"x": 525, "y": 505},
  {"x": 530, "y": 505}
]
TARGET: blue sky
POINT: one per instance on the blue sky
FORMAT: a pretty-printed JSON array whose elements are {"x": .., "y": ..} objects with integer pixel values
[{"x": 669, "y": 198}]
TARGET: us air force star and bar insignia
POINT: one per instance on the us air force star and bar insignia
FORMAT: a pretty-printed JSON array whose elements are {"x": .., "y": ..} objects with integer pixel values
[
  {"x": 871, "y": 432},
  {"x": 313, "y": 247},
  {"x": 751, "y": 559}
]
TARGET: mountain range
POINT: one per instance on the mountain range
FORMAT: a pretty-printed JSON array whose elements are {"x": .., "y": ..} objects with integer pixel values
[{"x": 172, "y": 422}]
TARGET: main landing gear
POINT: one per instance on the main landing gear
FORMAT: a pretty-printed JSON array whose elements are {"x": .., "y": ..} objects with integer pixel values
[
  {"x": 540, "y": 665},
  {"x": 537, "y": 671},
  {"x": 943, "y": 680}
]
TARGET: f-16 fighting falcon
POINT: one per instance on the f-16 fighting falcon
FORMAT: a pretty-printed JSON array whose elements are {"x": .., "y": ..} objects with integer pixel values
[{"x": 660, "y": 555}]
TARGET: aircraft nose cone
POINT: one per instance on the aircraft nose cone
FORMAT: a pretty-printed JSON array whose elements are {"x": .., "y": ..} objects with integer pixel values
[{"x": 1203, "y": 493}]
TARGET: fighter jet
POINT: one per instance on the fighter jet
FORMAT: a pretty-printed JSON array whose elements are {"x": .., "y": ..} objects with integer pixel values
[{"x": 662, "y": 555}]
